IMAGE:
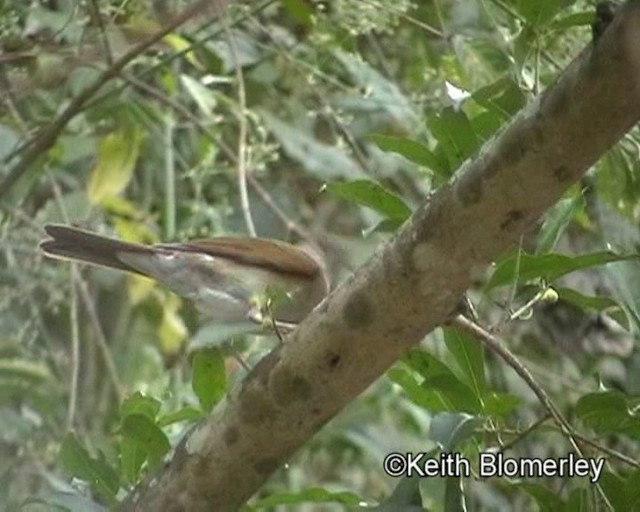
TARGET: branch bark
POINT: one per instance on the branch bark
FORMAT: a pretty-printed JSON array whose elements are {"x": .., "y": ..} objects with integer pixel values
[{"x": 410, "y": 286}]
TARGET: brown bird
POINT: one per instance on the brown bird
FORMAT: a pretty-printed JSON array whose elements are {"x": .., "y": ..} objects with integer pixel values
[{"x": 226, "y": 277}]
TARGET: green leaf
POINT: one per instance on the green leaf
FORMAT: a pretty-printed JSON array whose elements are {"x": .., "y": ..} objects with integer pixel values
[
  {"x": 132, "y": 457},
  {"x": 429, "y": 400},
  {"x": 202, "y": 95},
  {"x": 455, "y": 135},
  {"x": 502, "y": 97},
  {"x": 440, "y": 389},
  {"x": 579, "y": 501},
  {"x": 597, "y": 303},
  {"x": 614, "y": 487},
  {"x": 412, "y": 150},
  {"x": 187, "y": 413},
  {"x": 454, "y": 497},
  {"x": 372, "y": 195},
  {"x": 486, "y": 124},
  {"x": 140, "y": 404},
  {"x": 556, "y": 221},
  {"x": 209, "y": 381},
  {"x": 540, "y": 12},
  {"x": 323, "y": 161},
  {"x": 499, "y": 404},
  {"x": 450, "y": 429},
  {"x": 460, "y": 396},
  {"x": 76, "y": 460},
  {"x": 547, "y": 500},
  {"x": 469, "y": 355},
  {"x": 602, "y": 411},
  {"x": 576, "y": 19},
  {"x": 146, "y": 435},
  {"x": 117, "y": 156},
  {"x": 549, "y": 266},
  {"x": 608, "y": 412},
  {"x": 440, "y": 379},
  {"x": 632, "y": 490},
  {"x": 426, "y": 364},
  {"x": 299, "y": 10},
  {"x": 384, "y": 226},
  {"x": 405, "y": 496}
]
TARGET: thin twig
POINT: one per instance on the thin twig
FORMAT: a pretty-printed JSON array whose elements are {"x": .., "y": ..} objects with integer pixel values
[
  {"x": 289, "y": 224},
  {"x": 108, "y": 54},
  {"x": 169, "y": 178},
  {"x": 75, "y": 351},
  {"x": 512, "y": 292},
  {"x": 494, "y": 345},
  {"x": 103, "y": 346},
  {"x": 524, "y": 433},
  {"x": 609, "y": 451},
  {"x": 242, "y": 136}
]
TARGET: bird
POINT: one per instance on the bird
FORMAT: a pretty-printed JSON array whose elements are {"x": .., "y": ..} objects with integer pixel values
[{"x": 227, "y": 278}]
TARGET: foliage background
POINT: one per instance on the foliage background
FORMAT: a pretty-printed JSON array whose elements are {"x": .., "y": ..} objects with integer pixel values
[{"x": 343, "y": 116}]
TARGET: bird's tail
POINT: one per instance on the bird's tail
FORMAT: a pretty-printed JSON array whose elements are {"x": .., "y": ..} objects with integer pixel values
[{"x": 67, "y": 242}]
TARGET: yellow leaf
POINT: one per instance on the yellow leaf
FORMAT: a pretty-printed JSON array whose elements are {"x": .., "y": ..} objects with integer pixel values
[
  {"x": 117, "y": 156},
  {"x": 181, "y": 44},
  {"x": 172, "y": 331},
  {"x": 140, "y": 288}
]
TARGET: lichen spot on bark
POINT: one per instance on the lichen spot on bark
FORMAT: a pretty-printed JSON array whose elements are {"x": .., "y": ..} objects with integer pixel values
[
  {"x": 426, "y": 256},
  {"x": 197, "y": 440}
]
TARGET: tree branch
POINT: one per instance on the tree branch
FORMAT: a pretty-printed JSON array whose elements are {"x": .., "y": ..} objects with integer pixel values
[{"x": 410, "y": 286}]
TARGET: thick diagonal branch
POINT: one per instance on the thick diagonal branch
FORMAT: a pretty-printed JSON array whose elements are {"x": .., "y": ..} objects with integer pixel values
[{"x": 410, "y": 285}]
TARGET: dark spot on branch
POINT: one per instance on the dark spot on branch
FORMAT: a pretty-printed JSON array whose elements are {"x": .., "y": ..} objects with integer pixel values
[
  {"x": 287, "y": 387},
  {"x": 469, "y": 188},
  {"x": 255, "y": 406},
  {"x": 231, "y": 435},
  {"x": 266, "y": 466},
  {"x": 333, "y": 360},
  {"x": 562, "y": 174},
  {"x": 358, "y": 312},
  {"x": 513, "y": 217}
]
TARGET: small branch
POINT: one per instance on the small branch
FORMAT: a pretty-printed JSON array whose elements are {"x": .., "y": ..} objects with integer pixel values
[
  {"x": 525, "y": 433},
  {"x": 609, "y": 451},
  {"x": 169, "y": 178},
  {"x": 242, "y": 136},
  {"x": 75, "y": 351},
  {"x": 512, "y": 292},
  {"x": 494, "y": 345},
  {"x": 289, "y": 224},
  {"x": 103, "y": 346},
  {"x": 108, "y": 54}
]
